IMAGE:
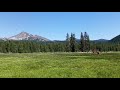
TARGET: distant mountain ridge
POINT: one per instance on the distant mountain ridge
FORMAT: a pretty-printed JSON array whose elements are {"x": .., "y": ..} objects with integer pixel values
[
  {"x": 115, "y": 39},
  {"x": 26, "y": 36},
  {"x": 101, "y": 40}
]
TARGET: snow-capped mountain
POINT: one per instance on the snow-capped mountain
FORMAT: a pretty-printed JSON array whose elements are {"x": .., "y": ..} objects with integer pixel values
[{"x": 27, "y": 36}]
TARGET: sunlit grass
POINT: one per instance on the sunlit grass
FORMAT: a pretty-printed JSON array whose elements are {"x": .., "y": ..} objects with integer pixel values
[{"x": 60, "y": 65}]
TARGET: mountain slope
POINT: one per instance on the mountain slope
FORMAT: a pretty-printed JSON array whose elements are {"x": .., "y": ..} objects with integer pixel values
[
  {"x": 20, "y": 36},
  {"x": 115, "y": 39},
  {"x": 27, "y": 36}
]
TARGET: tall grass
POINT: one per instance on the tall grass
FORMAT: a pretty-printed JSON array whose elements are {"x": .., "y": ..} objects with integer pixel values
[{"x": 60, "y": 65}]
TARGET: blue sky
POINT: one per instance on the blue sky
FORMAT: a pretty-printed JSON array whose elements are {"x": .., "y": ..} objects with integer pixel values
[{"x": 55, "y": 25}]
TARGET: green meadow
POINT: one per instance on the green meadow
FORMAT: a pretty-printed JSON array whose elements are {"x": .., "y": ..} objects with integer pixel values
[{"x": 60, "y": 65}]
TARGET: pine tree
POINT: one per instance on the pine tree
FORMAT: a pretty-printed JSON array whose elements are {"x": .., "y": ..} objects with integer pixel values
[
  {"x": 82, "y": 43},
  {"x": 72, "y": 43},
  {"x": 86, "y": 42},
  {"x": 4, "y": 47},
  {"x": 20, "y": 47},
  {"x": 67, "y": 43}
]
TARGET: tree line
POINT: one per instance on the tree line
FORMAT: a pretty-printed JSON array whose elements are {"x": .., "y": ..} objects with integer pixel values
[
  {"x": 83, "y": 45},
  {"x": 71, "y": 44},
  {"x": 30, "y": 46}
]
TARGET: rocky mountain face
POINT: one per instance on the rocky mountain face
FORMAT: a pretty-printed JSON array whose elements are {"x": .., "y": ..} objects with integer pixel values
[
  {"x": 27, "y": 36},
  {"x": 20, "y": 36}
]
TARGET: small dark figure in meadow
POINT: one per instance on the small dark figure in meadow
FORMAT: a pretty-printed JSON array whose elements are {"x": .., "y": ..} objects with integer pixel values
[
  {"x": 98, "y": 52},
  {"x": 95, "y": 51}
]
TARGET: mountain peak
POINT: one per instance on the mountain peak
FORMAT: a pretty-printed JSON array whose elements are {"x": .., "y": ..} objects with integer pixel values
[
  {"x": 26, "y": 36},
  {"x": 23, "y": 32}
]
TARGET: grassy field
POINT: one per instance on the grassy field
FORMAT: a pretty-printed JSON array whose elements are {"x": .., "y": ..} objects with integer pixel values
[{"x": 60, "y": 65}]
